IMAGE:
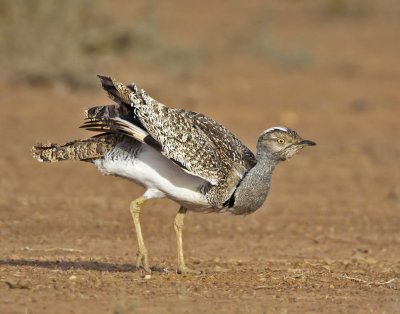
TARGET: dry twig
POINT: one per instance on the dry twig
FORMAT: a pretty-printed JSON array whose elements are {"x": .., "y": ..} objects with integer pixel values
[
  {"x": 263, "y": 287},
  {"x": 27, "y": 248},
  {"x": 368, "y": 283}
]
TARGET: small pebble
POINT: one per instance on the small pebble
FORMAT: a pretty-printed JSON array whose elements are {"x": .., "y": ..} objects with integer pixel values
[
  {"x": 73, "y": 277},
  {"x": 147, "y": 277}
]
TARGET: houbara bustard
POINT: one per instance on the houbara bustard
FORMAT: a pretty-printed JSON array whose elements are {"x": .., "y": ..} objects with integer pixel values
[{"x": 175, "y": 153}]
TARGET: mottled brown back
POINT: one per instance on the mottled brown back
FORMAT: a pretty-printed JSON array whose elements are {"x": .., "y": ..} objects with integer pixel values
[{"x": 194, "y": 141}]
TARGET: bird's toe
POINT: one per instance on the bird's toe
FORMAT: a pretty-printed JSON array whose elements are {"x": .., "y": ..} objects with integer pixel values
[{"x": 183, "y": 270}]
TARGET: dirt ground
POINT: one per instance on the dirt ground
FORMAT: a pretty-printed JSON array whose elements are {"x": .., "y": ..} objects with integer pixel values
[{"x": 327, "y": 240}]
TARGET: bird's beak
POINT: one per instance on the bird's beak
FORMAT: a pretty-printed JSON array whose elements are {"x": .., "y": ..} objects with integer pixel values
[{"x": 307, "y": 143}]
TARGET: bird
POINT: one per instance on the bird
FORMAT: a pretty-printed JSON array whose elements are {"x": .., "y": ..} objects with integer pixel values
[{"x": 177, "y": 154}]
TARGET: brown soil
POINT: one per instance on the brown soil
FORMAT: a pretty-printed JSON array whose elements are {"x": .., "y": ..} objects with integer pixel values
[{"x": 328, "y": 237}]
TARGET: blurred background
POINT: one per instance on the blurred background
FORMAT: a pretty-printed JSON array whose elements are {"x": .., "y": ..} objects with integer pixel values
[{"x": 329, "y": 69}]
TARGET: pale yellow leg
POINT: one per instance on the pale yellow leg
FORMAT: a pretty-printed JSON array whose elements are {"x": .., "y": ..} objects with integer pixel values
[
  {"x": 178, "y": 226},
  {"x": 141, "y": 256}
]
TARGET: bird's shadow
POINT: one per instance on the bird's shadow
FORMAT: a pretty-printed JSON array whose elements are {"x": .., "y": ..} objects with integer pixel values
[{"x": 70, "y": 265}]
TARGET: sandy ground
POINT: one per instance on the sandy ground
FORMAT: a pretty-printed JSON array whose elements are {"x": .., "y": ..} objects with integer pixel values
[{"x": 327, "y": 239}]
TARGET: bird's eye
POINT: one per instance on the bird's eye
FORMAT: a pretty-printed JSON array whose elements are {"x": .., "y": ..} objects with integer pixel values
[{"x": 280, "y": 140}]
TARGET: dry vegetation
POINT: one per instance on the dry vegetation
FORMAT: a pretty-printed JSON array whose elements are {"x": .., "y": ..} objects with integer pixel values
[{"x": 48, "y": 42}]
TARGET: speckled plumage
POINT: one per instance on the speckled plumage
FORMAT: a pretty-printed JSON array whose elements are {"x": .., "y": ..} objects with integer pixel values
[{"x": 198, "y": 143}]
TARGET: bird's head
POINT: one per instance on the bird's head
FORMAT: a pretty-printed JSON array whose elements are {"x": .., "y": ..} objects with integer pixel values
[{"x": 281, "y": 143}]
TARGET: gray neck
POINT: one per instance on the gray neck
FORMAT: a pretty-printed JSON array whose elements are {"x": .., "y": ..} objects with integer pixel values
[{"x": 254, "y": 187}]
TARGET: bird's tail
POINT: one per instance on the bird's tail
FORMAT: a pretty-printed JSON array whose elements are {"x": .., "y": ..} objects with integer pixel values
[{"x": 84, "y": 150}]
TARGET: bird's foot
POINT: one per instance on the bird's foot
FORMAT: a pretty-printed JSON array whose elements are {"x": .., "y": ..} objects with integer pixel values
[
  {"x": 186, "y": 270},
  {"x": 142, "y": 261}
]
